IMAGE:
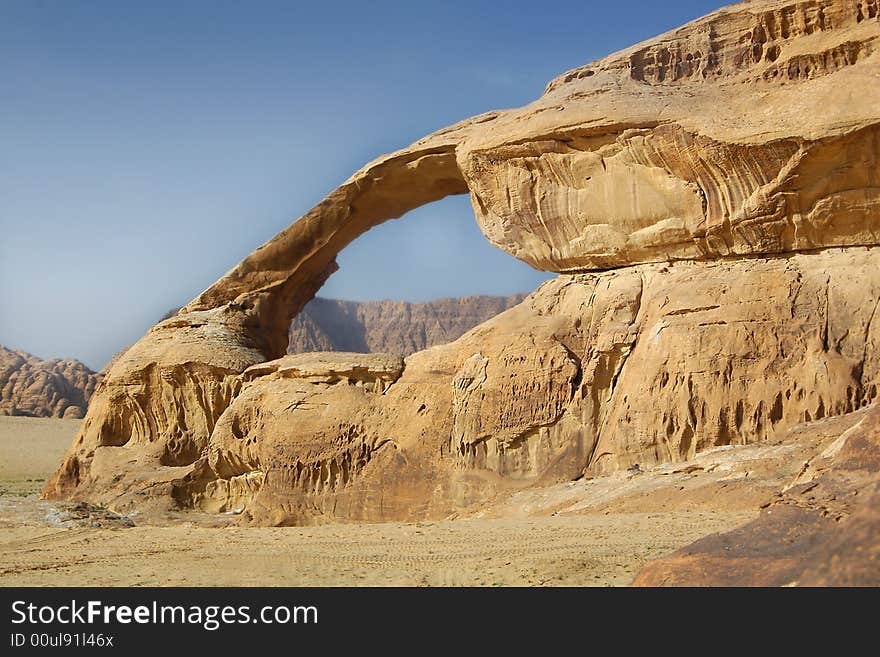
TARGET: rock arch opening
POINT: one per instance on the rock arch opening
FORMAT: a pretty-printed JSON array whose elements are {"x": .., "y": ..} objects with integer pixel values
[
  {"x": 273, "y": 284},
  {"x": 167, "y": 392},
  {"x": 413, "y": 283}
]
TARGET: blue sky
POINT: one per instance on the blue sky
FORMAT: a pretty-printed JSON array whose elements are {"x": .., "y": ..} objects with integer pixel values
[{"x": 146, "y": 147}]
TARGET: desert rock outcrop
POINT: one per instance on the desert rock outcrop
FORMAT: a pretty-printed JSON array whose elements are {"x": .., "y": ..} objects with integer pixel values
[
  {"x": 822, "y": 529},
  {"x": 44, "y": 388},
  {"x": 554, "y": 388},
  {"x": 710, "y": 200}
]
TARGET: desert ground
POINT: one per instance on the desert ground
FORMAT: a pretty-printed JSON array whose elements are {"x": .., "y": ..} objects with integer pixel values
[{"x": 524, "y": 541}]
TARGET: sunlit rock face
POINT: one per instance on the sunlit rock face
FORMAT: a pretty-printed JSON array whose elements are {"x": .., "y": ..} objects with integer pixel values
[
  {"x": 821, "y": 529},
  {"x": 710, "y": 199},
  {"x": 751, "y": 131}
]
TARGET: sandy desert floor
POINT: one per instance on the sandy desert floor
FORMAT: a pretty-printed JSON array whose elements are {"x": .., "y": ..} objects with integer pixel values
[{"x": 41, "y": 546}]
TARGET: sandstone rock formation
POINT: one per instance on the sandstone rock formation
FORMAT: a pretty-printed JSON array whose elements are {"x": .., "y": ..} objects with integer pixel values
[
  {"x": 555, "y": 388},
  {"x": 823, "y": 529},
  {"x": 44, "y": 388},
  {"x": 395, "y": 327},
  {"x": 712, "y": 202},
  {"x": 731, "y": 352}
]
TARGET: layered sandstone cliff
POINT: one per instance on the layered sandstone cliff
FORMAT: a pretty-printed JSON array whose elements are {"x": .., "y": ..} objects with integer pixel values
[
  {"x": 44, "y": 388},
  {"x": 395, "y": 327},
  {"x": 711, "y": 200}
]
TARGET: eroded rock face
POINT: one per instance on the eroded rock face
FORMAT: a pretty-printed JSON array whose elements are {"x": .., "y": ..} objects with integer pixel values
[
  {"x": 591, "y": 373},
  {"x": 44, "y": 388},
  {"x": 717, "y": 152},
  {"x": 376, "y": 370},
  {"x": 822, "y": 529}
]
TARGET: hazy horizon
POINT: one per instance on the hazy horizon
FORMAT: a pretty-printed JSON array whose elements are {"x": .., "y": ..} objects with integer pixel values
[{"x": 149, "y": 147}]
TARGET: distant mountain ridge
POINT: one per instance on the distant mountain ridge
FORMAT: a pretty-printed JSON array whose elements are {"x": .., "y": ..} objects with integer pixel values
[{"x": 393, "y": 327}]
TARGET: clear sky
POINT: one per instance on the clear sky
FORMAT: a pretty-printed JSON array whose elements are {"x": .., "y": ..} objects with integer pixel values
[{"x": 147, "y": 146}]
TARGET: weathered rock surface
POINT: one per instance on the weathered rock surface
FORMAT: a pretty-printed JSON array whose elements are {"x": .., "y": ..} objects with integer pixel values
[
  {"x": 393, "y": 327},
  {"x": 822, "y": 529},
  {"x": 723, "y": 479},
  {"x": 590, "y": 374},
  {"x": 44, "y": 388},
  {"x": 711, "y": 200},
  {"x": 750, "y": 131},
  {"x": 378, "y": 370}
]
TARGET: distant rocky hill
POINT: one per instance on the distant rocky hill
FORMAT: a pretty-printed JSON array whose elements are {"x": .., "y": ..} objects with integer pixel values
[
  {"x": 44, "y": 388},
  {"x": 392, "y": 327}
]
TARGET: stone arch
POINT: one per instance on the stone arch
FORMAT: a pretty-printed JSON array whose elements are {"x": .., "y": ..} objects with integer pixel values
[
  {"x": 273, "y": 283},
  {"x": 168, "y": 390},
  {"x": 604, "y": 171}
]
